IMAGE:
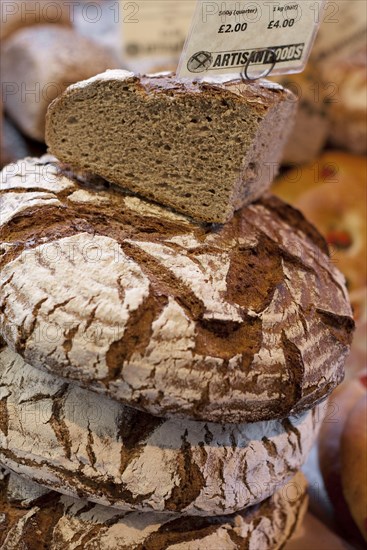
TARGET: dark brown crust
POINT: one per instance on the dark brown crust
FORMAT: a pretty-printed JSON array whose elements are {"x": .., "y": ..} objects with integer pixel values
[
  {"x": 262, "y": 91},
  {"x": 52, "y": 520},
  {"x": 285, "y": 269},
  {"x": 91, "y": 447},
  {"x": 232, "y": 89},
  {"x": 294, "y": 217}
]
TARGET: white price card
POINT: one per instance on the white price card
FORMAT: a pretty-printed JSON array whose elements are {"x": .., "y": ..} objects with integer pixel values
[
  {"x": 154, "y": 32},
  {"x": 249, "y": 38}
]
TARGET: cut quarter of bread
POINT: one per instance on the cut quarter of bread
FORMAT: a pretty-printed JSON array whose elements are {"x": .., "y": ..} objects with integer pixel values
[{"x": 202, "y": 149}]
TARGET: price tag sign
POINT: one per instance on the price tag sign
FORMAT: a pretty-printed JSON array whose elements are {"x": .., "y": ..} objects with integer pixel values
[
  {"x": 252, "y": 39},
  {"x": 154, "y": 32}
]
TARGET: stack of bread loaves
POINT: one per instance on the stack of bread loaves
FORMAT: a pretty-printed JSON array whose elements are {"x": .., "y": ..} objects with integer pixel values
[{"x": 162, "y": 370}]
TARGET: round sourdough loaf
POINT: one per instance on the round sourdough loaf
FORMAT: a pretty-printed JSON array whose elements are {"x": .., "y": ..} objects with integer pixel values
[
  {"x": 57, "y": 522},
  {"x": 241, "y": 322},
  {"x": 86, "y": 445}
]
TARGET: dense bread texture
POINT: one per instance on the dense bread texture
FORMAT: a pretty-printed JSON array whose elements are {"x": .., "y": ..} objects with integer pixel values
[
  {"x": 202, "y": 149},
  {"x": 24, "y": 13},
  {"x": 86, "y": 445},
  {"x": 54, "y": 522},
  {"x": 39, "y": 62},
  {"x": 243, "y": 322}
]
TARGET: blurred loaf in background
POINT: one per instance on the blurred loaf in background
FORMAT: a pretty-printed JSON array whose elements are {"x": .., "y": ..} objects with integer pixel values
[
  {"x": 16, "y": 14},
  {"x": 42, "y": 54},
  {"x": 39, "y": 63},
  {"x": 331, "y": 192}
]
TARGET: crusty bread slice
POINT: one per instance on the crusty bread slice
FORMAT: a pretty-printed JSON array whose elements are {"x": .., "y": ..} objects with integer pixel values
[{"x": 203, "y": 149}]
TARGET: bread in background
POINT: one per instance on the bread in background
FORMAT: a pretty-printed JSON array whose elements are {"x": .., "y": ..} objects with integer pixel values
[
  {"x": 331, "y": 192},
  {"x": 16, "y": 14},
  {"x": 312, "y": 126},
  {"x": 348, "y": 108},
  {"x": 341, "y": 404},
  {"x": 38, "y": 63}
]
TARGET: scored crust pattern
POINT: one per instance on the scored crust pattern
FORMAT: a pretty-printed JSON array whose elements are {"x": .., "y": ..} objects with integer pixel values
[
  {"x": 242, "y": 322},
  {"x": 89, "y": 446},
  {"x": 61, "y": 522}
]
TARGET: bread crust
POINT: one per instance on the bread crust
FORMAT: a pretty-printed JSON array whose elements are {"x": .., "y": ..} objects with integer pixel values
[
  {"x": 332, "y": 194},
  {"x": 86, "y": 445},
  {"x": 354, "y": 463},
  {"x": 243, "y": 322},
  {"x": 340, "y": 405},
  {"x": 63, "y": 523}
]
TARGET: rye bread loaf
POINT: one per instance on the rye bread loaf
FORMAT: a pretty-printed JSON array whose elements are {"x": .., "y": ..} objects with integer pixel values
[
  {"x": 38, "y": 63},
  {"x": 16, "y": 14},
  {"x": 85, "y": 445},
  {"x": 202, "y": 149},
  {"x": 242, "y": 322},
  {"x": 55, "y": 522}
]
